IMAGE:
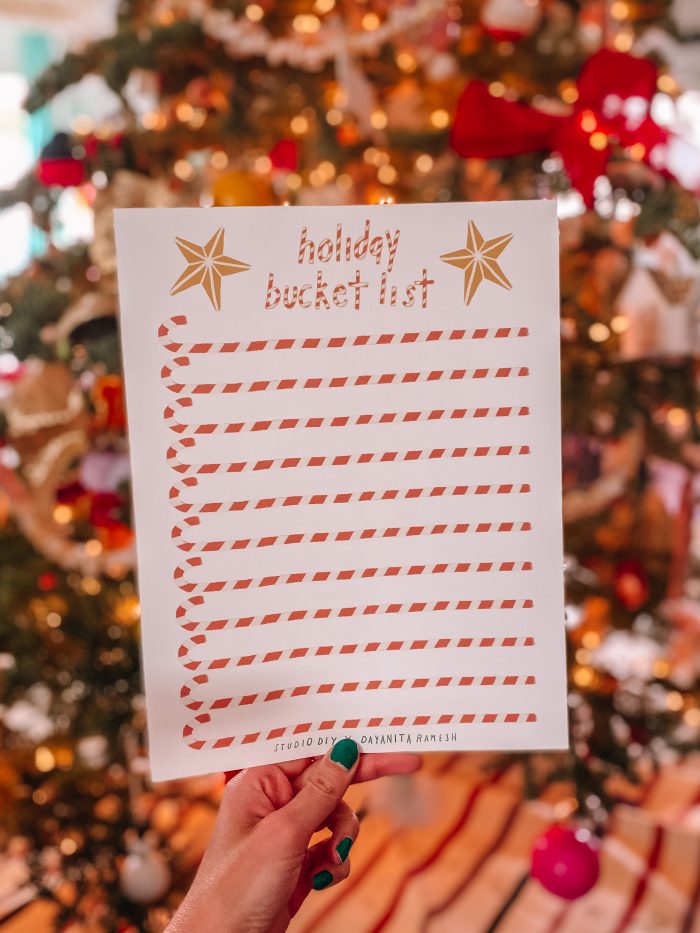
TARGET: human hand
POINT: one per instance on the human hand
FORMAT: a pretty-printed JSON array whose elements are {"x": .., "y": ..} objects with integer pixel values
[{"x": 258, "y": 867}]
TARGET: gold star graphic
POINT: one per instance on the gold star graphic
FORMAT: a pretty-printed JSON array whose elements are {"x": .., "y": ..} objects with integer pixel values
[
  {"x": 478, "y": 259},
  {"x": 206, "y": 266}
]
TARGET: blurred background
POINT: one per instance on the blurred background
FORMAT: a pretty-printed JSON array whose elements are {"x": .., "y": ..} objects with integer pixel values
[{"x": 592, "y": 103}]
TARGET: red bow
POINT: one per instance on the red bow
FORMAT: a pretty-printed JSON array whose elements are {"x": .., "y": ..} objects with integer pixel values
[{"x": 614, "y": 97}]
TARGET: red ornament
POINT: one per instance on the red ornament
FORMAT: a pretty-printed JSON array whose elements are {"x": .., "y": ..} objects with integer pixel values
[
  {"x": 613, "y": 108},
  {"x": 47, "y": 581},
  {"x": 566, "y": 861},
  {"x": 284, "y": 155},
  {"x": 108, "y": 398},
  {"x": 61, "y": 173},
  {"x": 631, "y": 585}
]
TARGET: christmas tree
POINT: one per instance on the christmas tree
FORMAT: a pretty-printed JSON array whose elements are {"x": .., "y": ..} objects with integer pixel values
[{"x": 229, "y": 103}]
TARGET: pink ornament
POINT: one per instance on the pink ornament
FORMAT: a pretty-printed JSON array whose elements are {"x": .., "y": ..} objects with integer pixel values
[{"x": 566, "y": 861}]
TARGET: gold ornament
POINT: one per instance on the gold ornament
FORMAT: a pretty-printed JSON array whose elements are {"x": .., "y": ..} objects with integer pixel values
[
  {"x": 478, "y": 259},
  {"x": 241, "y": 189}
]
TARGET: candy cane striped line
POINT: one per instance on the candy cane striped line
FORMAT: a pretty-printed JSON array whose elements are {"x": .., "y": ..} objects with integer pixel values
[
  {"x": 370, "y": 647},
  {"x": 336, "y": 421},
  {"x": 339, "y": 576},
  {"x": 326, "y": 537},
  {"x": 335, "y": 460},
  {"x": 343, "y": 612},
  {"x": 335, "y": 382},
  {"x": 330, "y": 343},
  {"x": 341, "y": 498},
  {"x": 354, "y": 686},
  {"x": 376, "y": 722}
]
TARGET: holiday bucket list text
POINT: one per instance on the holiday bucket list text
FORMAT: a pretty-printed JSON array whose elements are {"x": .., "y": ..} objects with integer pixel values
[{"x": 325, "y": 292}]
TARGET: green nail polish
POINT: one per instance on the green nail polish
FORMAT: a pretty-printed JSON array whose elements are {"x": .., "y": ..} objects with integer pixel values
[
  {"x": 321, "y": 880},
  {"x": 343, "y": 848},
  {"x": 345, "y": 753}
]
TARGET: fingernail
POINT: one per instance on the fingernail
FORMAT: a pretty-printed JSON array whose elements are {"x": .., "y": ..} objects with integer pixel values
[
  {"x": 345, "y": 753},
  {"x": 321, "y": 880},
  {"x": 343, "y": 848}
]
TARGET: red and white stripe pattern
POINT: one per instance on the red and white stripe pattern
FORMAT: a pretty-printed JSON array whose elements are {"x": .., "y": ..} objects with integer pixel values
[
  {"x": 354, "y": 686},
  {"x": 339, "y": 576},
  {"x": 370, "y": 647},
  {"x": 335, "y": 382},
  {"x": 375, "y": 722},
  {"x": 329, "y": 343},
  {"x": 336, "y": 460},
  {"x": 321, "y": 614},
  {"x": 327, "y": 537},
  {"x": 176, "y": 416},
  {"x": 343, "y": 498},
  {"x": 170, "y": 416}
]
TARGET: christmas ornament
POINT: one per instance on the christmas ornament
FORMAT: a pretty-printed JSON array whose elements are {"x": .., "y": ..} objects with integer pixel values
[
  {"x": 612, "y": 108},
  {"x": 242, "y": 189},
  {"x": 57, "y": 166},
  {"x": 661, "y": 302},
  {"x": 510, "y": 20},
  {"x": 104, "y": 470},
  {"x": 144, "y": 875},
  {"x": 631, "y": 584},
  {"x": 108, "y": 399},
  {"x": 284, "y": 155},
  {"x": 566, "y": 861}
]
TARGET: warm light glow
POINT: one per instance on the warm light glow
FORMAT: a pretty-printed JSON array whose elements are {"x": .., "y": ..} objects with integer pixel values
[
  {"x": 219, "y": 159},
  {"x": 306, "y": 23},
  {"x": 387, "y": 175},
  {"x": 620, "y": 323},
  {"x": 588, "y": 121},
  {"x": 327, "y": 169},
  {"x": 93, "y": 547},
  {"x": 406, "y": 61},
  {"x": 599, "y": 141},
  {"x": 424, "y": 163},
  {"x": 620, "y": 10},
  {"x": 637, "y": 151},
  {"x": 254, "y": 12},
  {"x": 590, "y": 640},
  {"x": 677, "y": 417},
  {"x": 91, "y": 586},
  {"x": 370, "y": 21},
  {"x": 82, "y": 125},
  {"x": 68, "y": 846},
  {"x": 624, "y": 40},
  {"x": 44, "y": 759},
  {"x": 344, "y": 182},
  {"x": 598, "y": 332},
  {"x": 184, "y": 111},
  {"x": 299, "y": 125},
  {"x": 334, "y": 117},
  {"x": 293, "y": 181},
  {"x": 183, "y": 170},
  {"x": 262, "y": 165},
  {"x": 62, "y": 514},
  {"x": 661, "y": 669},
  {"x": 569, "y": 94},
  {"x": 583, "y": 676},
  {"x": 691, "y": 717},
  {"x": 440, "y": 119},
  {"x": 324, "y": 6},
  {"x": 667, "y": 84},
  {"x": 497, "y": 89},
  {"x": 674, "y": 701},
  {"x": 378, "y": 120}
]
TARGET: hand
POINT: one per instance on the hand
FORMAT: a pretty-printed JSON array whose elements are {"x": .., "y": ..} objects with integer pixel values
[{"x": 258, "y": 867}]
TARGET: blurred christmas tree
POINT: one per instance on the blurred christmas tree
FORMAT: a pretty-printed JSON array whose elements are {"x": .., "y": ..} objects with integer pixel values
[{"x": 223, "y": 102}]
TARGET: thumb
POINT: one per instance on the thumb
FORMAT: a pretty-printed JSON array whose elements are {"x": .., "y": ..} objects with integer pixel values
[{"x": 325, "y": 783}]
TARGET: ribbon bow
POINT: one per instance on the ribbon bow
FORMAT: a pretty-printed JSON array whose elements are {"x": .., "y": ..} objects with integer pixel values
[{"x": 612, "y": 109}]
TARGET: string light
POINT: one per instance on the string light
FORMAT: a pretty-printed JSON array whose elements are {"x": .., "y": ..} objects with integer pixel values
[
  {"x": 598, "y": 332},
  {"x": 306, "y": 23},
  {"x": 183, "y": 170},
  {"x": 440, "y": 119},
  {"x": 254, "y": 12},
  {"x": 299, "y": 125},
  {"x": 219, "y": 159},
  {"x": 406, "y": 61},
  {"x": 62, "y": 514},
  {"x": 424, "y": 163},
  {"x": 334, "y": 117},
  {"x": 370, "y": 22},
  {"x": 324, "y": 6},
  {"x": 378, "y": 120}
]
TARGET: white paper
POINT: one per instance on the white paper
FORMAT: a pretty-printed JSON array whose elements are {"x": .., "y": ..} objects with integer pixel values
[{"x": 348, "y": 518}]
